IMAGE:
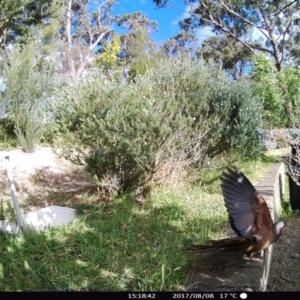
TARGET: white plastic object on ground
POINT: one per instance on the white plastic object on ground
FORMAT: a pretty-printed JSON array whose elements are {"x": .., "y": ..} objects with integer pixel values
[{"x": 38, "y": 220}]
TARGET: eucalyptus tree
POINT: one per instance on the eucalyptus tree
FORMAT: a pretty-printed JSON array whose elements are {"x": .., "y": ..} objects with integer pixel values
[
  {"x": 86, "y": 29},
  {"x": 183, "y": 42},
  {"x": 260, "y": 26},
  {"x": 138, "y": 48},
  {"x": 231, "y": 55},
  {"x": 17, "y": 17}
]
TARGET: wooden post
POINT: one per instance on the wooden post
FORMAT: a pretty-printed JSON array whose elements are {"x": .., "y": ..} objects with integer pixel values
[{"x": 14, "y": 195}]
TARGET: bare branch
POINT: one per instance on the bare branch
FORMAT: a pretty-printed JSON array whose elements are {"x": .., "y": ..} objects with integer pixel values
[
  {"x": 285, "y": 7},
  {"x": 101, "y": 36},
  {"x": 260, "y": 48},
  {"x": 272, "y": 39},
  {"x": 284, "y": 40},
  {"x": 244, "y": 19},
  {"x": 219, "y": 24},
  {"x": 229, "y": 33},
  {"x": 68, "y": 22}
]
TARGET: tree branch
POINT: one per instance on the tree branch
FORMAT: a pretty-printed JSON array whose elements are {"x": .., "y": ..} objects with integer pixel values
[
  {"x": 283, "y": 39},
  {"x": 68, "y": 22},
  {"x": 285, "y": 7},
  {"x": 260, "y": 48},
  {"x": 272, "y": 40},
  {"x": 244, "y": 19},
  {"x": 213, "y": 21},
  {"x": 251, "y": 47},
  {"x": 100, "y": 37}
]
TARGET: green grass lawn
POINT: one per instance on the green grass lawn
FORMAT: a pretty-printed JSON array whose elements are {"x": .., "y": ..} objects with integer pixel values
[{"x": 121, "y": 245}]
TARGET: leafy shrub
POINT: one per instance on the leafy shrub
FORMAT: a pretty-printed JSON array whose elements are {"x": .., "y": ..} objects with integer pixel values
[
  {"x": 289, "y": 79},
  {"x": 267, "y": 88},
  {"x": 278, "y": 91},
  {"x": 211, "y": 104},
  {"x": 180, "y": 109},
  {"x": 7, "y": 135},
  {"x": 121, "y": 136},
  {"x": 29, "y": 77},
  {"x": 240, "y": 114}
]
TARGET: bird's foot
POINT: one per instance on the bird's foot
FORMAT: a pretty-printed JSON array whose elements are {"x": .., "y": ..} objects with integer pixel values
[{"x": 253, "y": 259}]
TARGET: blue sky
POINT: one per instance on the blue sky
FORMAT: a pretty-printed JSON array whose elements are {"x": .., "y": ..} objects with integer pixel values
[{"x": 167, "y": 18}]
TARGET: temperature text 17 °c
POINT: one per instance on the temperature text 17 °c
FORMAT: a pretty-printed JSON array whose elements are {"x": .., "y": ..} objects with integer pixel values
[{"x": 229, "y": 295}]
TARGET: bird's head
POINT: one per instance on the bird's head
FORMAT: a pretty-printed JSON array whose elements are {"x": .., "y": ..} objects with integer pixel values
[{"x": 279, "y": 225}]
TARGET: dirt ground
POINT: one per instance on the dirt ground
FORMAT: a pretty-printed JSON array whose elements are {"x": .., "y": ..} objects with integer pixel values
[
  {"x": 42, "y": 178},
  {"x": 285, "y": 267}
]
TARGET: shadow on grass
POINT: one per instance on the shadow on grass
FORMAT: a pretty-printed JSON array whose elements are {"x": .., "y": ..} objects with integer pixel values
[{"x": 117, "y": 246}]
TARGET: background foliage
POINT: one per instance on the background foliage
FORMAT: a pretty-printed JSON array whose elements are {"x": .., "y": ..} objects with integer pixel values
[
  {"x": 28, "y": 84},
  {"x": 181, "y": 109},
  {"x": 278, "y": 91}
]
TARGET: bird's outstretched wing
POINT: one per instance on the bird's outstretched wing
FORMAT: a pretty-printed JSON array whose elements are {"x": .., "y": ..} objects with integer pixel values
[
  {"x": 248, "y": 211},
  {"x": 249, "y": 217}
]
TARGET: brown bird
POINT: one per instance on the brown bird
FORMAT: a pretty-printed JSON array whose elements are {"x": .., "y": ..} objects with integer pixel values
[{"x": 249, "y": 217}]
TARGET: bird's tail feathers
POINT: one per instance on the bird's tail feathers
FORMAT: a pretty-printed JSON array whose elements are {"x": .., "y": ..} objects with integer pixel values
[{"x": 230, "y": 244}]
